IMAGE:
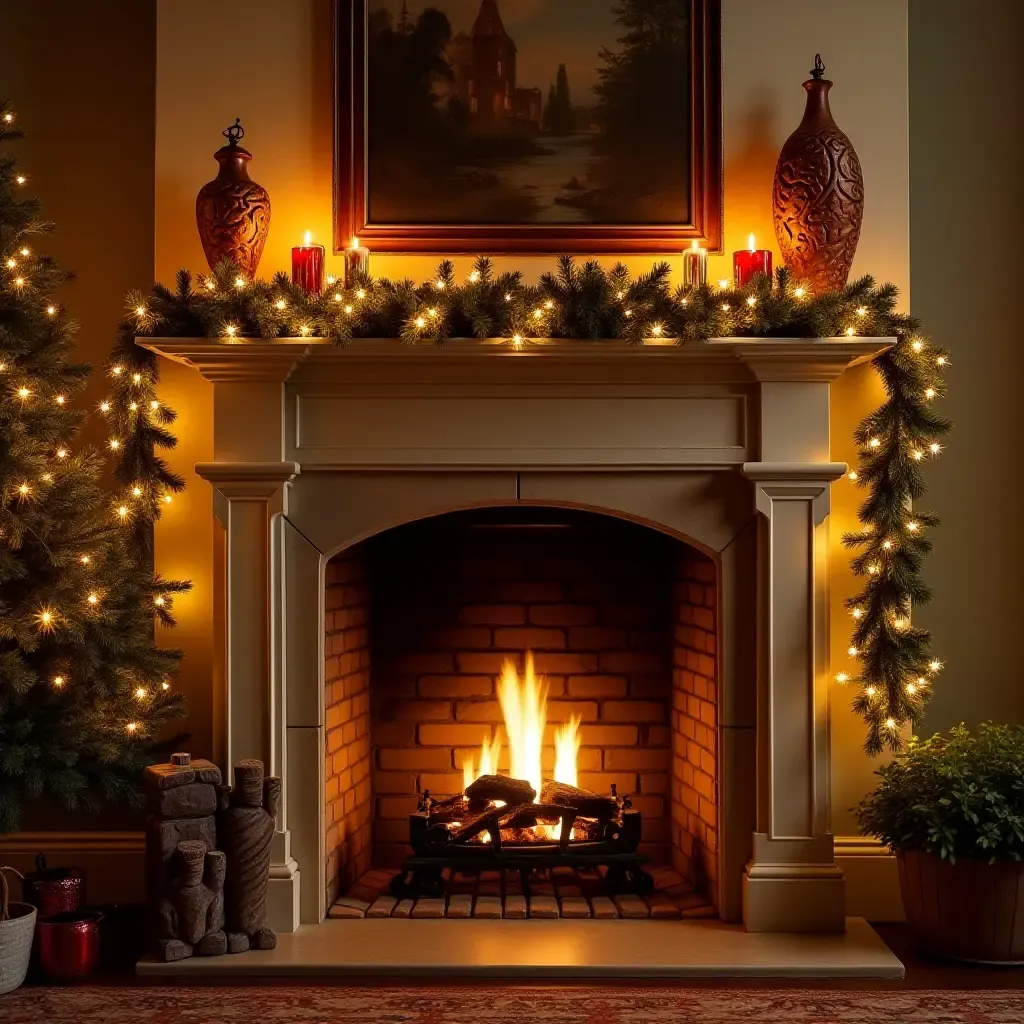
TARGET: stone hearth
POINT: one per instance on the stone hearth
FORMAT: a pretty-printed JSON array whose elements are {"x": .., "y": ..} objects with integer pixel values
[{"x": 329, "y": 459}]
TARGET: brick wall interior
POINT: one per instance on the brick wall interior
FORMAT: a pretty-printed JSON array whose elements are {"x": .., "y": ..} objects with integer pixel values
[{"x": 621, "y": 620}]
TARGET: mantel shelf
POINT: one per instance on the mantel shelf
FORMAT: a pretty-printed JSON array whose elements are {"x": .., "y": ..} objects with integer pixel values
[{"x": 765, "y": 359}]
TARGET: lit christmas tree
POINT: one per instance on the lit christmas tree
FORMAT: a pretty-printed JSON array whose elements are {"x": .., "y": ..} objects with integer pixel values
[{"x": 83, "y": 687}]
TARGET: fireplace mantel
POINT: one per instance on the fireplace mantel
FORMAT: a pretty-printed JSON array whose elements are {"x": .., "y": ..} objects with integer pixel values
[{"x": 723, "y": 444}]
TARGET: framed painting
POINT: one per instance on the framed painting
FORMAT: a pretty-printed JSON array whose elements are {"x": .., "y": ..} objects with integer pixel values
[{"x": 490, "y": 126}]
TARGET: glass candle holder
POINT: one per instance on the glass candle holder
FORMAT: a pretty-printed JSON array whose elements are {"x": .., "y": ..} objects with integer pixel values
[
  {"x": 695, "y": 266},
  {"x": 308, "y": 266},
  {"x": 750, "y": 261},
  {"x": 357, "y": 262}
]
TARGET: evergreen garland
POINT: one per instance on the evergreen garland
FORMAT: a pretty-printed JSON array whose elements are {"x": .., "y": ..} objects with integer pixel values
[
  {"x": 589, "y": 302},
  {"x": 83, "y": 687}
]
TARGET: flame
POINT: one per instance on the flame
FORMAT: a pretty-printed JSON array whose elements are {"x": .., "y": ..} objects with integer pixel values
[
  {"x": 524, "y": 705},
  {"x": 751, "y": 242},
  {"x": 355, "y": 242},
  {"x": 490, "y": 751},
  {"x": 567, "y": 745}
]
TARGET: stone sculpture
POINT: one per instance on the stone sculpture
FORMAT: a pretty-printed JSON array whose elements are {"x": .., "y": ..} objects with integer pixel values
[
  {"x": 192, "y": 908},
  {"x": 245, "y": 827}
]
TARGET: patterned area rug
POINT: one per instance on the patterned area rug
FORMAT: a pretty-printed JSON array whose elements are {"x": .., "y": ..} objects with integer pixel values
[{"x": 391, "y": 1005}]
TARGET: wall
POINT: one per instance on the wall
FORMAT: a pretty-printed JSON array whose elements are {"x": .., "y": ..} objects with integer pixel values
[
  {"x": 284, "y": 99},
  {"x": 966, "y": 153}
]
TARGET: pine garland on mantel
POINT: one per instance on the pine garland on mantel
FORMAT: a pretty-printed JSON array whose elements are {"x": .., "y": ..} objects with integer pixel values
[{"x": 891, "y": 665}]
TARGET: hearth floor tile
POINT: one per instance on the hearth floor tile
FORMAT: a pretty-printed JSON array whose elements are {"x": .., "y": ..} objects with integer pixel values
[{"x": 548, "y": 949}]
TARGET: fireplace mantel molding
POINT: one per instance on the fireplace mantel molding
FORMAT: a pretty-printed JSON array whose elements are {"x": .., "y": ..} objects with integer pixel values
[{"x": 724, "y": 444}]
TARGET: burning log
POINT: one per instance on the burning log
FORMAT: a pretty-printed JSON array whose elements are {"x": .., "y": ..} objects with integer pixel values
[
  {"x": 500, "y": 787},
  {"x": 585, "y": 803},
  {"x": 528, "y": 815},
  {"x": 472, "y": 826}
]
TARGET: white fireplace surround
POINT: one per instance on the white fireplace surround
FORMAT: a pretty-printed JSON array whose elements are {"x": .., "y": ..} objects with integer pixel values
[{"x": 723, "y": 444}]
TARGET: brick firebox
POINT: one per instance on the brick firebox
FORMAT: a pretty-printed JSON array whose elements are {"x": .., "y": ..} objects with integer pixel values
[{"x": 622, "y": 621}]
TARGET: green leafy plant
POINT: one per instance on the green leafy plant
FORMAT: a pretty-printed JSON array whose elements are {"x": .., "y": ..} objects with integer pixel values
[{"x": 957, "y": 794}]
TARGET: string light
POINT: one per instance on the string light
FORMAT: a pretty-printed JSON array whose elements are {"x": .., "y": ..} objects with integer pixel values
[
  {"x": 439, "y": 285},
  {"x": 890, "y": 723},
  {"x": 85, "y": 559},
  {"x": 474, "y": 276},
  {"x": 24, "y": 393},
  {"x": 917, "y": 345},
  {"x": 154, "y": 405},
  {"x": 911, "y": 688},
  {"x": 61, "y": 453},
  {"x": 117, "y": 370},
  {"x": 132, "y": 726},
  {"x": 725, "y": 306},
  {"x": 916, "y": 454},
  {"x": 935, "y": 447},
  {"x": 842, "y": 677},
  {"x": 850, "y": 332},
  {"x": 45, "y": 617},
  {"x": 51, "y": 310},
  {"x": 549, "y": 304},
  {"x": 211, "y": 285},
  {"x": 537, "y": 314},
  {"x": 929, "y": 393},
  {"x": 8, "y": 118},
  {"x": 420, "y": 322},
  {"x": 165, "y": 686},
  {"x": 239, "y": 282},
  {"x": 137, "y": 491},
  {"x": 46, "y": 478},
  {"x": 136, "y": 378},
  {"x": 852, "y": 475},
  {"x": 133, "y": 406},
  {"x": 159, "y": 602},
  {"x": 58, "y": 681},
  {"x": 628, "y": 312},
  {"x": 361, "y": 293},
  {"x": 331, "y": 279},
  {"x": 168, "y": 499},
  {"x": 11, "y": 263},
  {"x": 348, "y": 309},
  {"x": 93, "y": 599},
  {"x": 337, "y": 298},
  {"x": 140, "y": 693},
  {"x": 620, "y": 295},
  {"x": 751, "y": 301},
  {"x": 852, "y": 652},
  {"x": 934, "y": 666},
  {"x": 656, "y": 330},
  {"x": 122, "y": 511},
  {"x": 21, "y": 179},
  {"x": 887, "y": 544},
  {"x": 873, "y": 570},
  {"x": 304, "y": 330},
  {"x": 230, "y": 330},
  {"x": 723, "y": 284},
  {"x": 19, "y": 282},
  {"x": 432, "y": 312},
  {"x": 799, "y": 292},
  {"x": 114, "y": 444},
  {"x": 913, "y": 527},
  {"x": 862, "y": 311},
  {"x": 857, "y": 613},
  {"x": 517, "y": 341},
  {"x": 24, "y": 490},
  {"x": 508, "y": 296},
  {"x": 870, "y": 691},
  {"x": 140, "y": 311},
  {"x": 281, "y": 304},
  {"x": 941, "y": 360},
  {"x": 875, "y": 442}
]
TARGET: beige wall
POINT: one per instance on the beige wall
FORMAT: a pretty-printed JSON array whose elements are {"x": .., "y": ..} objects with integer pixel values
[
  {"x": 284, "y": 100},
  {"x": 966, "y": 158}
]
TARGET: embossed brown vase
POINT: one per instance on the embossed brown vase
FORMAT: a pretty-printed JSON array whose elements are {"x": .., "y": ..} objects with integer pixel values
[
  {"x": 232, "y": 211},
  {"x": 818, "y": 196}
]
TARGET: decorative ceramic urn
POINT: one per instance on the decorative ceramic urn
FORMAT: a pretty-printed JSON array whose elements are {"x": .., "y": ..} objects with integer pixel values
[
  {"x": 232, "y": 211},
  {"x": 818, "y": 196}
]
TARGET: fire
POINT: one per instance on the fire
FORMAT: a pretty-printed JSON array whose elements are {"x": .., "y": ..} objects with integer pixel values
[{"x": 524, "y": 705}]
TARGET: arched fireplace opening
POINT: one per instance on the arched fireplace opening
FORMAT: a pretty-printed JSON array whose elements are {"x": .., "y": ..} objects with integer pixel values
[{"x": 620, "y": 620}]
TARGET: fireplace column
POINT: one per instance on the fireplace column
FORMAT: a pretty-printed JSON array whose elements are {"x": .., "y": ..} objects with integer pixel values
[
  {"x": 792, "y": 882},
  {"x": 249, "y": 500}
]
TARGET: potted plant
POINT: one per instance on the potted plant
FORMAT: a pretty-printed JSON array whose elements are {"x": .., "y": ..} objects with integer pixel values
[{"x": 952, "y": 808}]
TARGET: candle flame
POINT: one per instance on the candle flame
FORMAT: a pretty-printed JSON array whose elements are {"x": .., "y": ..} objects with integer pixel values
[
  {"x": 751, "y": 243},
  {"x": 355, "y": 242},
  {"x": 308, "y": 240},
  {"x": 693, "y": 244}
]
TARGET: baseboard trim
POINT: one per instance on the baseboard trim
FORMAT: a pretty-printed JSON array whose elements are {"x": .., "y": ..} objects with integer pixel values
[
  {"x": 872, "y": 879},
  {"x": 73, "y": 842}
]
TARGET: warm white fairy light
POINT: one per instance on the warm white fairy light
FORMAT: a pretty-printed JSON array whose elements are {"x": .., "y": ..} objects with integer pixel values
[
  {"x": 628, "y": 313},
  {"x": 916, "y": 454},
  {"x": 873, "y": 570},
  {"x": 137, "y": 491},
  {"x": 8, "y": 118},
  {"x": 280, "y": 304},
  {"x": 165, "y": 686},
  {"x": 857, "y": 613},
  {"x": 168, "y": 499},
  {"x": 537, "y": 314},
  {"x": 911, "y": 689},
  {"x": 305, "y": 329},
  {"x": 361, "y": 293},
  {"x": 850, "y": 332},
  {"x": 58, "y": 681},
  {"x": 862, "y": 311},
  {"x": 870, "y": 691},
  {"x": 917, "y": 345},
  {"x": 113, "y": 444},
  {"x": 230, "y": 330},
  {"x": 517, "y": 341},
  {"x": 19, "y": 282},
  {"x": 239, "y": 282},
  {"x": 725, "y": 306},
  {"x": 24, "y": 393},
  {"x": 11, "y": 263},
  {"x": 331, "y": 279},
  {"x": 913, "y": 527},
  {"x": 47, "y": 478},
  {"x": 154, "y": 405},
  {"x": 723, "y": 284},
  {"x": 852, "y": 652},
  {"x": 140, "y": 311},
  {"x": 117, "y": 370},
  {"x": 61, "y": 453},
  {"x": 45, "y": 617},
  {"x": 852, "y": 475},
  {"x": 133, "y": 406},
  {"x": 93, "y": 598},
  {"x": 122, "y": 511},
  {"x": 875, "y": 442},
  {"x": 420, "y": 322},
  {"x": 211, "y": 285},
  {"x": 887, "y": 544},
  {"x": 934, "y": 666},
  {"x": 159, "y": 602},
  {"x": 439, "y": 285},
  {"x": 21, "y": 179},
  {"x": 657, "y": 330},
  {"x": 474, "y": 276},
  {"x": 941, "y": 360},
  {"x": 799, "y": 292},
  {"x": 929, "y": 393},
  {"x": 24, "y": 490},
  {"x": 348, "y": 308},
  {"x": 432, "y": 312},
  {"x": 132, "y": 726},
  {"x": 549, "y": 304},
  {"x": 751, "y": 301},
  {"x": 890, "y": 723},
  {"x": 85, "y": 559},
  {"x": 51, "y": 310},
  {"x": 59, "y": 399},
  {"x": 935, "y": 447},
  {"x": 842, "y": 677}
]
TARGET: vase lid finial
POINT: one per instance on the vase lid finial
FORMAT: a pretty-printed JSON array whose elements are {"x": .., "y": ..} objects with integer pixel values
[
  {"x": 234, "y": 133},
  {"x": 818, "y": 72}
]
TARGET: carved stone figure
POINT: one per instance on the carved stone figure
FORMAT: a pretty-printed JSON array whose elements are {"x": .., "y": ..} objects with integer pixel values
[
  {"x": 192, "y": 907},
  {"x": 232, "y": 211},
  {"x": 818, "y": 196},
  {"x": 245, "y": 829}
]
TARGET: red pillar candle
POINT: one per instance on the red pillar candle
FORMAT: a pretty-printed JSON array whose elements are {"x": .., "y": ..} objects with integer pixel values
[
  {"x": 750, "y": 261},
  {"x": 308, "y": 267},
  {"x": 695, "y": 266},
  {"x": 357, "y": 262}
]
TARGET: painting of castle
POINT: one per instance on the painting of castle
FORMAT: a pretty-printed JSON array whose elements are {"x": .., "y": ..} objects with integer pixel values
[{"x": 528, "y": 112}]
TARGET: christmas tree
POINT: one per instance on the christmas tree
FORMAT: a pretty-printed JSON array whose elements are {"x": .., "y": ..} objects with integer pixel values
[{"x": 84, "y": 689}]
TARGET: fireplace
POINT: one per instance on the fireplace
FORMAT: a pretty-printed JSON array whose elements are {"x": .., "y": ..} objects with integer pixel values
[
  {"x": 395, "y": 522},
  {"x": 541, "y": 644}
]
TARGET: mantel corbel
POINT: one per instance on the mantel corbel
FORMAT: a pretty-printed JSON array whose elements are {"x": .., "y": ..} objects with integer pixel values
[
  {"x": 801, "y": 359},
  {"x": 793, "y": 481},
  {"x": 250, "y": 481}
]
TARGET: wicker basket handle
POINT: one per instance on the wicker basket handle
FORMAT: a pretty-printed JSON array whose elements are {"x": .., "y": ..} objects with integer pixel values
[{"x": 5, "y": 892}]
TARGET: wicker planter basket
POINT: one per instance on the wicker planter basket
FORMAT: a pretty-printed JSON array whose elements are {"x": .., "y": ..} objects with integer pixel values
[
  {"x": 968, "y": 910},
  {"x": 17, "y": 924}
]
